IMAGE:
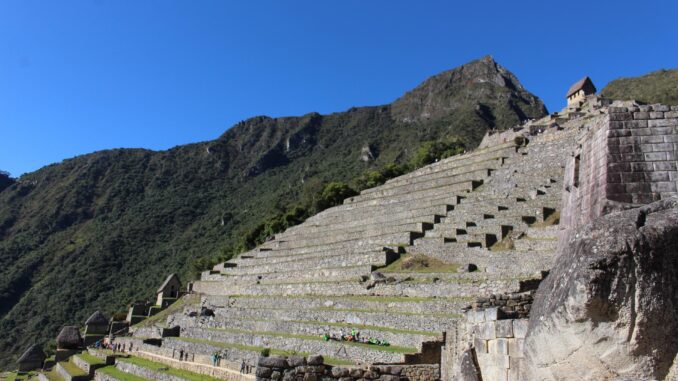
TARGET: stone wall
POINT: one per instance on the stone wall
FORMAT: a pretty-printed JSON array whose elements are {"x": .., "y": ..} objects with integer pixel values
[
  {"x": 291, "y": 368},
  {"x": 628, "y": 155},
  {"x": 498, "y": 343}
]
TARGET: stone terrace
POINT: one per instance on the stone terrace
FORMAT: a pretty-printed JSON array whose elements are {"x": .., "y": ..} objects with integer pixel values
[{"x": 485, "y": 221}]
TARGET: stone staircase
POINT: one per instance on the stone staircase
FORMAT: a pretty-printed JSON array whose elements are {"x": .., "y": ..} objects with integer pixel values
[{"x": 485, "y": 222}]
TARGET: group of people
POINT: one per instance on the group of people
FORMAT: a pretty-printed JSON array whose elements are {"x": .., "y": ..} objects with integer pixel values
[
  {"x": 354, "y": 336},
  {"x": 217, "y": 356},
  {"x": 183, "y": 356}
]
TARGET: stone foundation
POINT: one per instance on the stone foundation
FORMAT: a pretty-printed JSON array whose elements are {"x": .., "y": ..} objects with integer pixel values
[{"x": 299, "y": 368}]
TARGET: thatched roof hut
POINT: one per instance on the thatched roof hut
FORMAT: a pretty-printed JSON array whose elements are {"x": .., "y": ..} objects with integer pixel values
[{"x": 69, "y": 338}]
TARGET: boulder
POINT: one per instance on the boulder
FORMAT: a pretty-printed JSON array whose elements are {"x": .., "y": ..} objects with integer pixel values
[
  {"x": 315, "y": 360},
  {"x": 608, "y": 309},
  {"x": 69, "y": 338},
  {"x": 273, "y": 362}
]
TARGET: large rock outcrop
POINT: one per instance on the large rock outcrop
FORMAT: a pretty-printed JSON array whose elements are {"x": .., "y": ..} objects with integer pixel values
[{"x": 609, "y": 308}]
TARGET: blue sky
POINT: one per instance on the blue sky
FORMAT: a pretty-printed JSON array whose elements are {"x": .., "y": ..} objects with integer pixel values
[{"x": 80, "y": 76}]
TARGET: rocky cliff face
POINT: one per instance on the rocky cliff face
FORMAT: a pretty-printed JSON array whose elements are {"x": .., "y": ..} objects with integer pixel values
[{"x": 608, "y": 310}]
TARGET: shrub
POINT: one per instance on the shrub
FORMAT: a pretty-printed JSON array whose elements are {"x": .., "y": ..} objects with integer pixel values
[
  {"x": 333, "y": 194},
  {"x": 432, "y": 151},
  {"x": 265, "y": 352}
]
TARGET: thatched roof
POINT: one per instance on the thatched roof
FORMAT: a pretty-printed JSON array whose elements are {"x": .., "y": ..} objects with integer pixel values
[
  {"x": 582, "y": 83},
  {"x": 69, "y": 338},
  {"x": 97, "y": 318},
  {"x": 166, "y": 282},
  {"x": 34, "y": 353}
]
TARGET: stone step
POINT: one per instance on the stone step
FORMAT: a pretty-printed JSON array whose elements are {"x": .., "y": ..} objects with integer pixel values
[
  {"x": 157, "y": 367},
  {"x": 315, "y": 329},
  {"x": 550, "y": 232},
  {"x": 353, "y": 240},
  {"x": 315, "y": 261},
  {"x": 535, "y": 244},
  {"x": 344, "y": 211},
  {"x": 68, "y": 371},
  {"x": 447, "y": 181},
  {"x": 87, "y": 363},
  {"x": 335, "y": 249},
  {"x": 352, "y": 233},
  {"x": 491, "y": 163},
  {"x": 303, "y": 343},
  {"x": 459, "y": 288},
  {"x": 426, "y": 322},
  {"x": 498, "y": 151},
  {"x": 368, "y": 302},
  {"x": 197, "y": 357},
  {"x": 509, "y": 262},
  {"x": 338, "y": 273},
  {"x": 111, "y": 373},
  {"x": 367, "y": 218},
  {"x": 453, "y": 189}
]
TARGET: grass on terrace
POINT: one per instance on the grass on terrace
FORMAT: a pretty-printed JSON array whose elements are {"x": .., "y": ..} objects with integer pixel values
[
  {"x": 53, "y": 375},
  {"x": 274, "y": 351},
  {"x": 163, "y": 368},
  {"x": 120, "y": 375},
  {"x": 362, "y": 298},
  {"x": 92, "y": 360},
  {"x": 369, "y": 327},
  {"x": 72, "y": 369},
  {"x": 391, "y": 348},
  {"x": 419, "y": 263}
]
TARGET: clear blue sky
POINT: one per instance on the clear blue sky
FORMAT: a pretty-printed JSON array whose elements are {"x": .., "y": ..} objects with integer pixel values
[{"x": 80, "y": 76}]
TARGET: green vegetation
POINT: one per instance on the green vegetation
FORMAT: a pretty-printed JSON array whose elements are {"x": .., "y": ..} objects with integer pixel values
[
  {"x": 92, "y": 360},
  {"x": 53, "y": 375},
  {"x": 163, "y": 368},
  {"x": 370, "y": 327},
  {"x": 101, "y": 230},
  {"x": 392, "y": 348},
  {"x": 122, "y": 376},
  {"x": 265, "y": 352},
  {"x": 273, "y": 351},
  {"x": 72, "y": 369},
  {"x": 419, "y": 263},
  {"x": 657, "y": 87}
]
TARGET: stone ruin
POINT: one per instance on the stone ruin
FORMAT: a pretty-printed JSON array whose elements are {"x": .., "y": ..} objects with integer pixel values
[{"x": 488, "y": 220}]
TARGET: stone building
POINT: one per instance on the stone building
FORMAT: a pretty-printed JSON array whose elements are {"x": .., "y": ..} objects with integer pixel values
[
  {"x": 580, "y": 90},
  {"x": 96, "y": 327},
  {"x": 68, "y": 341},
  {"x": 628, "y": 157},
  {"x": 31, "y": 359},
  {"x": 168, "y": 290}
]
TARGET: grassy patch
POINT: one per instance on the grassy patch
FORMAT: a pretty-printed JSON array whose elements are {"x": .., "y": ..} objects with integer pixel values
[
  {"x": 252, "y": 348},
  {"x": 392, "y": 348},
  {"x": 361, "y": 298},
  {"x": 504, "y": 245},
  {"x": 419, "y": 263},
  {"x": 10, "y": 376},
  {"x": 392, "y": 312},
  {"x": 72, "y": 369},
  {"x": 163, "y": 368},
  {"x": 553, "y": 219},
  {"x": 92, "y": 360},
  {"x": 53, "y": 375},
  {"x": 122, "y": 376}
]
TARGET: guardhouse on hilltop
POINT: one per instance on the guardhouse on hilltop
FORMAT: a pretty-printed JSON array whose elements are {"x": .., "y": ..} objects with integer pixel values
[{"x": 580, "y": 90}]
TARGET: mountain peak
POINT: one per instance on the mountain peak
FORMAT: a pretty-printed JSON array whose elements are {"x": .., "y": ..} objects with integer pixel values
[{"x": 446, "y": 92}]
